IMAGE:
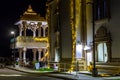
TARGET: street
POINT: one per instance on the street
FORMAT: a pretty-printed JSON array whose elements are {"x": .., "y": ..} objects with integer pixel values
[{"x": 7, "y": 74}]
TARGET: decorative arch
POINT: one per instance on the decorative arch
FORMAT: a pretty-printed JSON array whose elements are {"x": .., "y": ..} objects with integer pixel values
[{"x": 103, "y": 35}]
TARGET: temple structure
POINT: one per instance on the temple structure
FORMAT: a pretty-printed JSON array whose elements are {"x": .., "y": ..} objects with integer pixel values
[{"x": 31, "y": 22}]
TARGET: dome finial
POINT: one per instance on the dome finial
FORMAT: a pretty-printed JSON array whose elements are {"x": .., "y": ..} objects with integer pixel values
[{"x": 30, "y": 8}]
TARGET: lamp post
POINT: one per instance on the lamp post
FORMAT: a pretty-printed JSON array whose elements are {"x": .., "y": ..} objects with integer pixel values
[
  {"x": 13, "y": 33},
  {"x": 94, "y": 71}
]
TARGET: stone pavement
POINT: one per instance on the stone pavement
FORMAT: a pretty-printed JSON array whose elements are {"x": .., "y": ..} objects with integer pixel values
[{"x": 82, "y": 75}]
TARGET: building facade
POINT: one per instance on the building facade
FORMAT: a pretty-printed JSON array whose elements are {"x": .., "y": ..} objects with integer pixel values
[{"x": 75, "y": 25}]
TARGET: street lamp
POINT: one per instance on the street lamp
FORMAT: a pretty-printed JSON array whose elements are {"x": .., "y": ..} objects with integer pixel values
[{"x": 13, "y": 33}]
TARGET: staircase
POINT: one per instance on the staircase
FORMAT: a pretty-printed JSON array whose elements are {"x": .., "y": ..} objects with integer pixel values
[
  {"x": 81, "y": 65},
  {"x": 109, "y": 68}
]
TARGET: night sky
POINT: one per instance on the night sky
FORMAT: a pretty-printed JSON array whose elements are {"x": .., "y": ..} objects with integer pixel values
[{"x": 10, "y": 11}]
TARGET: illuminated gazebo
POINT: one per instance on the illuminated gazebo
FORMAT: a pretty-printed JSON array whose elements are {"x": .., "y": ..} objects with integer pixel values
[{"x": 31, "y": 22}]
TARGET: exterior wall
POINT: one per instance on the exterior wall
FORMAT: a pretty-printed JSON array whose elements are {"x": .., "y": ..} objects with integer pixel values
[
  {"x": 60, "y": 22},
  {"x": 78, "y": 19},
  {"x": 111, "y": 24},
  {"x": 114, "y": 27},
  {"x": 66, "y": 38},
  {"x": 89, "y": 22}
]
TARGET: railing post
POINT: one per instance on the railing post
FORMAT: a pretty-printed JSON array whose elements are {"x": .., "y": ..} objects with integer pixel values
[{"x": 76, "y": 68}]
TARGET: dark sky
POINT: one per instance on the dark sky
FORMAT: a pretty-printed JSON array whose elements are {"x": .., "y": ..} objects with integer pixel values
[{"x": 10, "y": 11}]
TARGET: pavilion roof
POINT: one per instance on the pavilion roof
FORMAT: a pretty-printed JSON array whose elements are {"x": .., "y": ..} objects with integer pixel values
[{"x": 31, "y": 15}]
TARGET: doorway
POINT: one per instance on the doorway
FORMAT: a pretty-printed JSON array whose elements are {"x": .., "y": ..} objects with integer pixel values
[
  {"x": 103, "y": 45},
  {"x": 102, "y": 52}
]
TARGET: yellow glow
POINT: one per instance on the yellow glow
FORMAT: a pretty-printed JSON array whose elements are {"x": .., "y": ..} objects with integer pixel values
[
  {"x": 31, "y": 39},
  {"x": 8, "y": 75},
  {"x": 44, "y": 56},
  {"x": 41, "y": 39},
  {"x": 73, "y": 35}
]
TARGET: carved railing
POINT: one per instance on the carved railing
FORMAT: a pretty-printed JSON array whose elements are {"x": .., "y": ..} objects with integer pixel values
[{"x": 31, "y": 39}]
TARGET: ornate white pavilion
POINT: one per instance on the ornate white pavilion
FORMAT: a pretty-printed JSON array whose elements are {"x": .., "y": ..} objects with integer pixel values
[{"x": 31, "y": 22}]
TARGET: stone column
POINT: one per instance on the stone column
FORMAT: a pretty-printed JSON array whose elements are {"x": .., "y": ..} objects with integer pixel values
[
  {"x": 39, "y": 29},
  {"x": 39, "y": 56},
  {"x": 24, "y": 54},
  {"x": 20, "y": 29},
  {"x": 24, "y": 27},
  {"x": 34, "y": 54},
  {"x": 33, "y": 28},
  {"x": 39, "y": 32},
  {"x": 45, "y": 57},
  {"x": 20, "y": 56},
  {"x": 34, "y": 33},
  {"x": 44, "y": 30},
  {"x": 44, "y": 51}
]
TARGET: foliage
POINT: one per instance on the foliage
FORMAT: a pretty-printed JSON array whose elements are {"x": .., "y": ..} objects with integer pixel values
[
  {"x": 45, "y": 69},
  {"x": 16, "y": 63}
]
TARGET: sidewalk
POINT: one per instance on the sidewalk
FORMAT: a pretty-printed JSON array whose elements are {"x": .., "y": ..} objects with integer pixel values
[{"x": 82, "y": 75}]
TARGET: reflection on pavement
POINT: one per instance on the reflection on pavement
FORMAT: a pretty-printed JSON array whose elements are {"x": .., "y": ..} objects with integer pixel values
[{"x": 10, "y": 75}]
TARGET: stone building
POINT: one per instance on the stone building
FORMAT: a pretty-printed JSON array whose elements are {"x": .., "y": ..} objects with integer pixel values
[{"x": 84, "y": 31}]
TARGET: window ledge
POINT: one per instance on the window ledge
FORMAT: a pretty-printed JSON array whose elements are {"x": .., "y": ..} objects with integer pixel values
[{"x": 101, "y": 21}]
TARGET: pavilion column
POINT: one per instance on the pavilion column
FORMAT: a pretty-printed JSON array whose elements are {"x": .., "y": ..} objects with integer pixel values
[
  {"x": 39, "y": 56},
  {"x": 20, "y": 56},
  {"x": 20, "y": 34},
  {"x": 34, "y": 28},
  {"x": 24, "y": 55},
  {"x": 39, "y": 32},
  {"x": 20, "y": 29},
  {"x": 34, "y": 33},
  {"x": 24, "y": 27},
  {"x": 34, "y": 54},
  {"x": 44, "y": 55},
  {"x": 44, "y": 31},
  {"x": 39, "y": 29}
]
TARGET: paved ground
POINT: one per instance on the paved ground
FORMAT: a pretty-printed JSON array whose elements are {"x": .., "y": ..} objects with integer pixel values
[
  {"x": 9, "y": 74},
  {"x": 73, "y": 75}
]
